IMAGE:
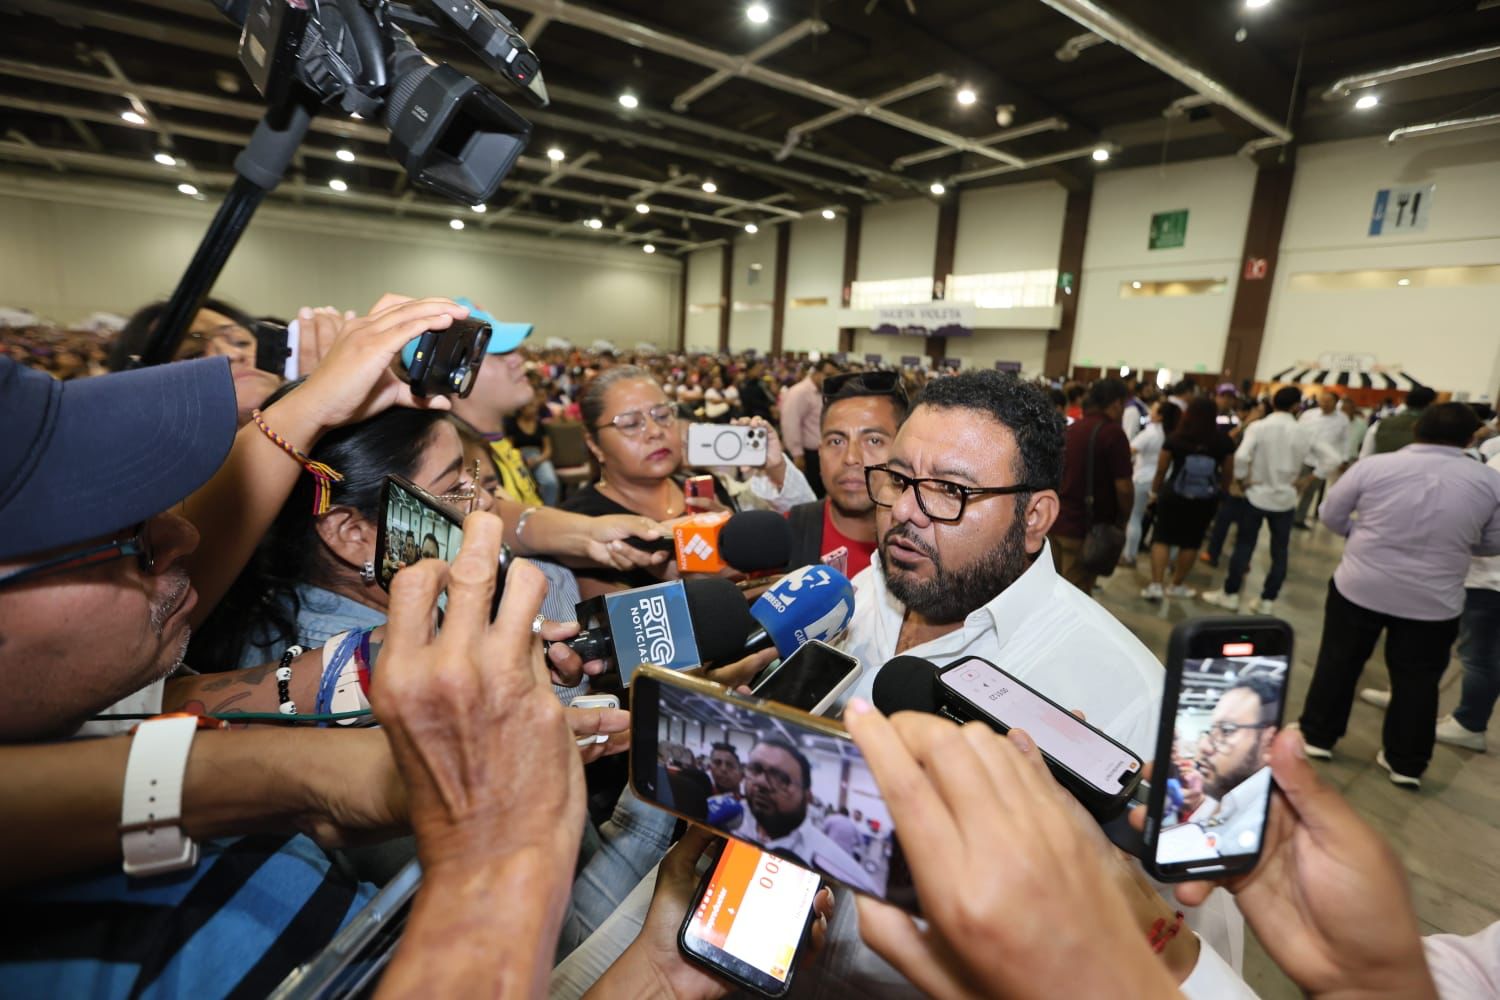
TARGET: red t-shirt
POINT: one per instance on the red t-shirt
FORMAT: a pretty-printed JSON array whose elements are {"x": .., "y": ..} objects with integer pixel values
[
  {"x": 1111, "y": 462},
  {"x": 859, "y": 552}
]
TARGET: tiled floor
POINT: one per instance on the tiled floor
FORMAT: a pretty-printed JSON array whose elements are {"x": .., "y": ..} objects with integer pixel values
[{"x": 1448, "y": 834}]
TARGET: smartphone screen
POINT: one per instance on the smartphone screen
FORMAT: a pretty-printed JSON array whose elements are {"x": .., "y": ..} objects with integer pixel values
[
  {"x": 1089, "y": 754},
  {"x": 790, "y": 783},
  {"x": 1217, "y": 784},
  {"x": 808, "y": 678},
  {"x": 750, "y": 918},
  {"x": 415, "y": 525}
]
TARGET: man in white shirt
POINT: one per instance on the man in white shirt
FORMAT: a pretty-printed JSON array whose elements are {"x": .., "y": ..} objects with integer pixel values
[
  {"x": 1233, "y": 757},
  {"x": 1329, "y": 427},
  {"x": 1269, "y": 463}
]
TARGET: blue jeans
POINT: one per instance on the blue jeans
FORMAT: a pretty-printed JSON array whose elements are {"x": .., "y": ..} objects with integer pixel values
[
  {"x": 547, "y": 483},
  {"x": 1479, "y": 651},
  {"x": 1244, "y": 547},
  {"x": 1231, "y": 510},
  {"x": 1133, "y": 531}
]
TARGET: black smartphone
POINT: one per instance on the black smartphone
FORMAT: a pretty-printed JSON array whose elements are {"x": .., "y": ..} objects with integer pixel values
[
  {"x": 1221, "y": 708},
  {"x": 272, "y": 347},
  {"x": 811, "y": 679},
  {"x": 446, "y": 362},
  {"x": 783, "y": 780},
  {"x": 750, "y": 919},
  {"x": 1099, "y": 771},
  {"x": 416, "y": 525}
]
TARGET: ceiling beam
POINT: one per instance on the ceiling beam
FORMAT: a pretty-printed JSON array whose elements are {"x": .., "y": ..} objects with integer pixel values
[
  {"x": 1053, "y": 124},
  {"x": 802, "y": 29}
]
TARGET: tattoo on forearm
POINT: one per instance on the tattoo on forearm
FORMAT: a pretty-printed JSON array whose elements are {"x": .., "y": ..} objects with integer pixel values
[{"x": 248, "y": 678}]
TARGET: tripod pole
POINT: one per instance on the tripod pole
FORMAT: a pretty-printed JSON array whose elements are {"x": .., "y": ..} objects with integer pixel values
[{"x": 260, "y": 167}]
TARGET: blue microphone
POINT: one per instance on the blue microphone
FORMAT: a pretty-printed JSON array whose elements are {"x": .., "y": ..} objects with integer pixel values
[{"x": 814, "y": 602}]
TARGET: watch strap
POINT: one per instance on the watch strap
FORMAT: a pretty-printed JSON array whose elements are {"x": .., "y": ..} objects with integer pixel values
[{"x": 151, "y": 836}]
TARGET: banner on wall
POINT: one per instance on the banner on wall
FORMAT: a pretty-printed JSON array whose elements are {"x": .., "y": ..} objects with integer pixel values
[
  {"x": 1402, "y": 210},
  {"x": 1014, "y": 367},
  {"x": 934, "y": 319}
]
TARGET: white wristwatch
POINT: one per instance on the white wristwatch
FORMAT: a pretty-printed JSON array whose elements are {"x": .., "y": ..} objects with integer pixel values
[{"x": 151, "y": 834}]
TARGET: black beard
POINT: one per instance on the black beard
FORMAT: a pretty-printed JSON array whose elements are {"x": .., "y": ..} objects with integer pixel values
[
  {"x": 779, "y": 824},
  {"x": 952, "y": 594}
]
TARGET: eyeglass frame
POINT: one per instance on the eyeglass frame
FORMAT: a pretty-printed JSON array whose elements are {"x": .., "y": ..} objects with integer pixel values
[
  {"x": 964, "y": 492},
  {"x": 1234, "y": 727},
  {"x": 897, "y": 388},
  {"x": 645, "y": 415},
  {"x": 778, "y": 779},
  {"x": 138, "y": 544}
]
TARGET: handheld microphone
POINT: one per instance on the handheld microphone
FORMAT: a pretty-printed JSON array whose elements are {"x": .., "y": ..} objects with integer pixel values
[
  {"x": 677, "y": 625},
  {"x": 697, "y": 543},
  {"x": 814, "y": 602},
  {"x": 754, "y": 541}
]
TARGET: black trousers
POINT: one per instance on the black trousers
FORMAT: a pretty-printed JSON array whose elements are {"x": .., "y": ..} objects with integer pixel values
[{"x": 1416, "y": 653}]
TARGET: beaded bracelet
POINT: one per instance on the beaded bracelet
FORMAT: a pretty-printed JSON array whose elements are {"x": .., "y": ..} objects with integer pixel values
[
  {"x": 286, "y": 705},
  {"x": 323, "y": 476},
  {"x": 1162, "y": 933}
]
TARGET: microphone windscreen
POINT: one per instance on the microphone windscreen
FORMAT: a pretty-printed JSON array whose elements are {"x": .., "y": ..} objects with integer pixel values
[
  {"x": 756, "y": 540},
  {"x": 905, "y": 684},
  {"x": 721, "y": 619},
  {"x": 814, "y": 602}
]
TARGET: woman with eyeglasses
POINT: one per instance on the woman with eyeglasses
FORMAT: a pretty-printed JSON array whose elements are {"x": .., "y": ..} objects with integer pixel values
[{"x": 632, "y": 432}]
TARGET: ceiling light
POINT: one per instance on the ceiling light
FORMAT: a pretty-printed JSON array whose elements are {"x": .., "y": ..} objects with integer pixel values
[
  {"x": 187, "y": 189},
  {"x": 757, "y": 13},
  {"x": 829, "y": 214},
  {"x": 966, "y": 96},
  {"x": 165, "y": 159},
  {"x": 649, "y": 248},
  {"x": 751, "y": 228},
  {"x": 1367, "y": 102},
  {"x": 455, "y": 224},
  {"x": 709, "y": 187},
  {"x": 1135, "y": 284},
  {"x": 556, "y": 155},
  {"x": 1403, "y": 282},
  {"x": 133, "y": 117},
  {"x": 1101, "y": 155},
  {"x": 643, "y": 208},
  {"x": 594, "y": 223},
  {"x": 938, "y": 188},
  {"x": 338, "y": 185},
  {"x": 347, "y": 155},
  {"x": 479, "y": 209},
  {"x": 356, "y": 116},
  {"x": 1256, "y": 4},
  {"x": 629, "y": 101}
]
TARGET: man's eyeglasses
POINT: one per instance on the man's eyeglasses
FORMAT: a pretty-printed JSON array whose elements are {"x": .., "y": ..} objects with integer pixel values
[
  {"x": 1219, "y": 734},
  {"x": 938, "y": 499},
  {"x": 632, "y": 422},
  {"x": 138, "y": 545},
  {"x": 779, "y": 780},
  {"x": 849, "y": 384}
]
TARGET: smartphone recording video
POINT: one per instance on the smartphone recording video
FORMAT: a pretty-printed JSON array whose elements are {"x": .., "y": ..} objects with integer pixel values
[
  {"x": 1212, "y": 786},
  {"x": 766, "y": 774},
  {"x": 415, "y": 525}
]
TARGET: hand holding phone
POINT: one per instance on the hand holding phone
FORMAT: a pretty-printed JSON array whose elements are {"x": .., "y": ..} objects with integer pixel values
[
  {"x": 415, "y": 525},
  {"x": 446, "y": 362}
]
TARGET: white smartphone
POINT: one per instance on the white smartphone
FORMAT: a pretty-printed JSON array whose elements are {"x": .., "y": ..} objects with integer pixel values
[
  {"x": 711, "y": 445},
  {"x": 811, "y": 679},
  {"x": 595, "y": 701}
]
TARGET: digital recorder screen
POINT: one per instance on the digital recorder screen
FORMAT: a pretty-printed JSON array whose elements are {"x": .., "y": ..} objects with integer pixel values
[
  {"x": 755, "y": 908},
  {"x": 1219, "y": 788}
]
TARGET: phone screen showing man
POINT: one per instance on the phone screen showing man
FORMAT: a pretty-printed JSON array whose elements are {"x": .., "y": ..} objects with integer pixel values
[{"x": 1218, "y": 789}]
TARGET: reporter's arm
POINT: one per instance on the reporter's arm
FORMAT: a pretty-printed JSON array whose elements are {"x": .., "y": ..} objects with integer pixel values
[{"x": 580, "y": 540}]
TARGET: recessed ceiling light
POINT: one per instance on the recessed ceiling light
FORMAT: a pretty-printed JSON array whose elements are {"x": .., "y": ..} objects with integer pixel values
[
  {"x": 480, "y": 209},
  {"x": 1403, "y": 282},
  {"x": 643, "y": 208},
  {"x": 829, "y": 214},
  {"x": 455, "y": 224},
  {"x": 757, "y": 13},
  {"x": 338, "y": 185},
  {"x": 709, "y": 187},
  {"x": 165, "y": 159},
  {"x": 594, "y": 223},
  {"x": 751, "y": 228},
  {"x": 1100, "y": 155},
  {"x": 187, "y": 189},
  {"x": 966, "y": 96},
  {"x": 1367, "y": 102},
  {"x": 347, "y": 155},
  {"x": 133, "y": 117},
  {"x": 1135, "y": 284},
  {"x": 938, "y": 188},
  {"x": 1256, "y": 4},
  {"x": 649, "y": 248},
  {"x": 629, "y": 101},
  {"x": 556, "y": 155}
]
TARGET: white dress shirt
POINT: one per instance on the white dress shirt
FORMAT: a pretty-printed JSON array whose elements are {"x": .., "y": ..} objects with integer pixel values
[
  {"x": 1484, "y": 571},
  {"x": 1271, "y": 455},
  {"x": 1147, "y": 447},
  {"x": 1330, "y": 428},
  {"x": 820, "y": 851},
  {"x": 1237, "y": 820},
  {"x": 1465, "y": 968}
]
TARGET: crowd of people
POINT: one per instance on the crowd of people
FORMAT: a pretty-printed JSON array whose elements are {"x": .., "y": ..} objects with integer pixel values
[{"x": 195, "y": 639}]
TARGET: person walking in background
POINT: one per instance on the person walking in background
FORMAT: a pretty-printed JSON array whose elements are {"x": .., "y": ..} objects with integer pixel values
[
  {"x": 1414, "y": 520},
  {"x": 1137, "y": 413},
  {"x": 1195, "y": 466},
  {"x": 801, "y": 417},
  {"x": 1358, "y": 427},
  {"x": 1395, "y": 431},
  {"x": 1268, "y": 465},
  {"x": 1232, "y": 504},
  {"x": 1145, "y": 446},
  {"x": 1098, "y": 433},
  {"x": 1331, "y": 427}
]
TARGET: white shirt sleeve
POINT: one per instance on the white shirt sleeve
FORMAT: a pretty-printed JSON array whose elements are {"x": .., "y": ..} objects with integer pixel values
[
  {"x": 1213, "y": 979},
  {"x": 794, "y": 490},
  {"x": 1465, "y": 968},
  {"x": 1367, "y": 446}
]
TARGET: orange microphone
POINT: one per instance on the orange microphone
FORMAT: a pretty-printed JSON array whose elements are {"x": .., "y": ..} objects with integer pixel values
[{"x": 697, "y": 542}]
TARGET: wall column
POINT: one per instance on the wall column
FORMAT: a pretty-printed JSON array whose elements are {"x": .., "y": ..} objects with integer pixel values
[
  {"x": 1252, "y": 295},
  {"x": 942, "y": 266},
  {"x": 726, "y": 294},
  {"x": 1069, "y": 261},
  {"x": 851, "y": 270},
  {"x": 682, "y": 283},
  {"x": 778, "y": 295}
]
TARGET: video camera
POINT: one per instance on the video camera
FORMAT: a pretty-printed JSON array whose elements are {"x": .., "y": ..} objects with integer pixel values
[{"x": 453, "y": 135}]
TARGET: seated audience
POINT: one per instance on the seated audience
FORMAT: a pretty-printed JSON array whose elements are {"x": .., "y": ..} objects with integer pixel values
[{"x": 525, "y": 432}]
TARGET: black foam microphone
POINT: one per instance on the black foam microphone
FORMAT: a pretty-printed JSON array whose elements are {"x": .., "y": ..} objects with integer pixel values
[
  {"x": 753, "y": 541},
  {"x": 679, "y": 624},
  {"x": 908, "y": 684}
]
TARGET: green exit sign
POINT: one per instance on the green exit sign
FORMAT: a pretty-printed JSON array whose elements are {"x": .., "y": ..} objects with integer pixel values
[{"x": 1168, "y": 230}]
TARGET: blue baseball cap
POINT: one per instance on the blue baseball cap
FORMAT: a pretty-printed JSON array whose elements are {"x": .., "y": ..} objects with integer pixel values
[
  {"x": 84, "y": 458},
  {"x": 504, "y": 337}
]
